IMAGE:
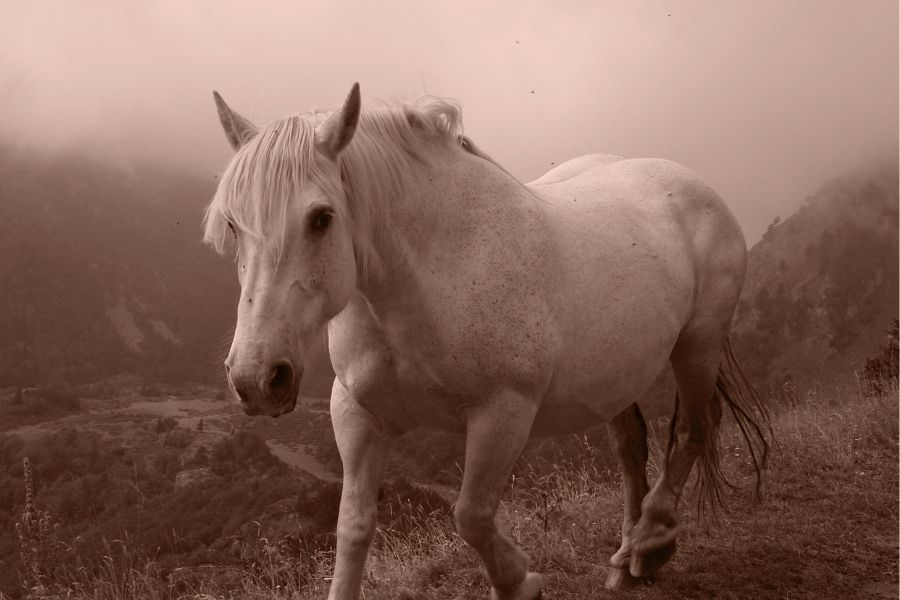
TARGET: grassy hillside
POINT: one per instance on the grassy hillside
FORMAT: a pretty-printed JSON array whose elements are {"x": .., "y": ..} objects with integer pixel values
[
  {"x": 98, "y": 490},
  {"x": 826, "y": 528}
]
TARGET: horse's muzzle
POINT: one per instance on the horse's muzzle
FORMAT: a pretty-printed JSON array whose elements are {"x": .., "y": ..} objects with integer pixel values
[{"x": 272, "y": 392}]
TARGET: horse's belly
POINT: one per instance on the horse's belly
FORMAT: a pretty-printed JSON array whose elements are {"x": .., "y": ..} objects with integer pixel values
[
  {"x": 628, "y": 282},
  {"x": 584, "y": 399},
  {"x": 573, "y": 415}
]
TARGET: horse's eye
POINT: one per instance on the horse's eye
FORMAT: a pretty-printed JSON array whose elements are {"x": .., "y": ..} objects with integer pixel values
[
  {"x": 231, "y": 227},
  {"x": 320, "y": 221}
]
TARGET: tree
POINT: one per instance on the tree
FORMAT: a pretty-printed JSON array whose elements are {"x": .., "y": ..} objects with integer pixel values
[
  {"x": 880, "y": 372},
  {"x": 201, "y": 456}
]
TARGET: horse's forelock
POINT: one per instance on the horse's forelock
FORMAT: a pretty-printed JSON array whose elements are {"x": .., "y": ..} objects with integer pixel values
[{"x": 263, "y": 176}]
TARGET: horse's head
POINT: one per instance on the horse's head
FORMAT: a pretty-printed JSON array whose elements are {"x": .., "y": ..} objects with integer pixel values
[{"x": 282, "y": 202}]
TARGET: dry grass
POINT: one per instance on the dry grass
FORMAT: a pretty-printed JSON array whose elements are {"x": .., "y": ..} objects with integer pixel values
[{"x": 827, "y": 527}]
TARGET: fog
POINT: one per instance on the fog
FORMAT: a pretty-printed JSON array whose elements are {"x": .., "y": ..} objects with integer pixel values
[{"x": 766, "y": 100}]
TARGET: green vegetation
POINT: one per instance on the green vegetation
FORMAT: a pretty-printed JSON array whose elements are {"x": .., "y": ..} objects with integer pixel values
[
  {"x": 98, "y": 491},
  {"x": 110, "y": 513}
]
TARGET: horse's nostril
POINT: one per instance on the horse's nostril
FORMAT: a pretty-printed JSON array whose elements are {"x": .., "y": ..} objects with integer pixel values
[{"x": 281, "y": 377}]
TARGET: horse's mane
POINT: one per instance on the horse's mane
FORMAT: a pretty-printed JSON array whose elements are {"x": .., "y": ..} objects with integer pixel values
[{"x": 256, "y": 188}]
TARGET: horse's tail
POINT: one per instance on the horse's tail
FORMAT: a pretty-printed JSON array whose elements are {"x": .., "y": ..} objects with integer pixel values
[{"x": 752, "y": 417}]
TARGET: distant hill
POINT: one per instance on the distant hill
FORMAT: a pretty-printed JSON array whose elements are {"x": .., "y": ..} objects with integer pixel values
[
  {"x": 821, "y": 288},
  {"x": 103, "y": 271}
]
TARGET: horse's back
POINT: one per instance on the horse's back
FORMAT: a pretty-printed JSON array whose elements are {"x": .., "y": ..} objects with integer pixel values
[
  {"x": 575, "y": 167},
  {"x": 637, "y": 239},
  {"x": 642, "y": 195}
]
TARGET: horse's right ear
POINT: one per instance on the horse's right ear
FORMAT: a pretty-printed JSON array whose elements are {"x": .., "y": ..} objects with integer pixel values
[{"x": 237, "y": 129}]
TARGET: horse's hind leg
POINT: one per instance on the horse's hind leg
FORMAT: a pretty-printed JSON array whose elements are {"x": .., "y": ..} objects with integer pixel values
[
  {"x": 496, "y": 432},
  {"x": 628, "y": 436},
  {"x": 695, "y": 362}
]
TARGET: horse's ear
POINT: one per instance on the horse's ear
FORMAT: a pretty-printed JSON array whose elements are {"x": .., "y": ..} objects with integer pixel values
[
  {"x": 336, "y": 132},
  {"x": 237, "y": 129}
]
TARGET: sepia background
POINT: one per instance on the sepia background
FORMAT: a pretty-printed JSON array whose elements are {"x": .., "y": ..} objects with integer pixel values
[{"x": 114, "y": 317}]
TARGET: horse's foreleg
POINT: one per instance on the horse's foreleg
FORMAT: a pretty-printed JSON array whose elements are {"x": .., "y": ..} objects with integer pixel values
[
  {"x": 364, "y": 450},
  {"x": 496, "y": 432},
  {"x": 697, "y": 417},
  {"x": 628, "y": 436}
]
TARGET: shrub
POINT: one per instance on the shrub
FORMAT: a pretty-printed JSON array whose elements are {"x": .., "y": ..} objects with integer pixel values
[
  {"x": 61, "y": 395},
  {"x": 179, "y": 438},
  {"x": 165, "y": 424},
  {"x": 151, "y": 390}
]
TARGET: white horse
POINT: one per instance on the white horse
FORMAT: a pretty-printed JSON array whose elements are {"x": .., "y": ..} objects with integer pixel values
[{"x": 456, "y": 297}]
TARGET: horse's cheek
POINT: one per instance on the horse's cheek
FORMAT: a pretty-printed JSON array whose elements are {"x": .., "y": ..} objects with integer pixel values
[{"x": 338, "y": 274}]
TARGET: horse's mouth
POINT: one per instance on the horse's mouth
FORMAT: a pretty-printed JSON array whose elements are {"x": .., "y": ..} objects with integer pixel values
[
  {"x": 271, "y": 410},
  {"x": 286, "y": 407}
]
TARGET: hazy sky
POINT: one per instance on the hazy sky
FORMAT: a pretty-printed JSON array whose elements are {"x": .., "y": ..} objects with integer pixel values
[{"x": 765, "y": 99}]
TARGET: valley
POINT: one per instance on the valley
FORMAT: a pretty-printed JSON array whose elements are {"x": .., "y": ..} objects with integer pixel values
[{"x": 123, "y": 416}]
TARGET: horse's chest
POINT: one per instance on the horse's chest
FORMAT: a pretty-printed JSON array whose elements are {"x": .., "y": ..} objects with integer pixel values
[{"x": 393, "y": 384}]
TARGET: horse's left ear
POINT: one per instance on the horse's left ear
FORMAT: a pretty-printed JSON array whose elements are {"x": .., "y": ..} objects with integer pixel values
[{"x": 336, "y": 132}]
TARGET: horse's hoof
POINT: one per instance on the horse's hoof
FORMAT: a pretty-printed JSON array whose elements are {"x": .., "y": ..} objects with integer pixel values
[
  {"x": 646, "y": 562},
  {"x": 619, "y": 579},
  {"x": 652, "y": 544},
  {"x": 529, "y": 589}
]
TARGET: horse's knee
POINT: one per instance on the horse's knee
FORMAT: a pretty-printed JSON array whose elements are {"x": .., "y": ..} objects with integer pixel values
[
  {"x": 356, "y": 535},
  {"x": 356, "y": 527},
  {"x": 473, "y": 523}
]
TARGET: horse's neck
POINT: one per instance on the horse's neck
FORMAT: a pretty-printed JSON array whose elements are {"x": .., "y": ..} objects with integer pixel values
[{"x": 446, "y": 203}]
